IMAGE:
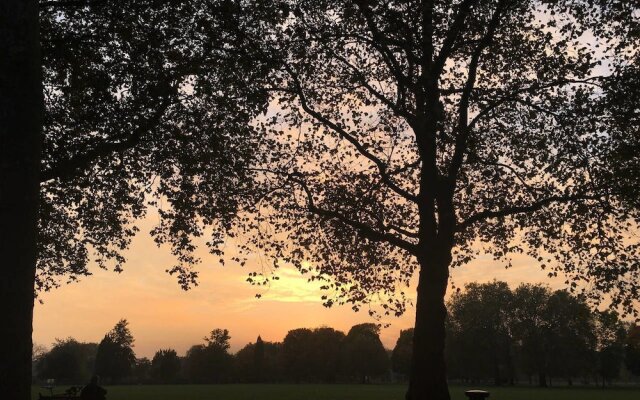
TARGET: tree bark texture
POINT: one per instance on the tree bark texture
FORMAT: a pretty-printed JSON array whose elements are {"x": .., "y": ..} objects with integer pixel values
[{"x": 21, "y": 110}]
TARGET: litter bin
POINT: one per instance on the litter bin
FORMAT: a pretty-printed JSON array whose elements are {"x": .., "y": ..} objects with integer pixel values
[{"x": 477, "y": 394}]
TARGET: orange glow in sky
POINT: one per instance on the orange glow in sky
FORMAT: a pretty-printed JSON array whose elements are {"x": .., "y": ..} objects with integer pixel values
[{"x": 161, "y": 315}]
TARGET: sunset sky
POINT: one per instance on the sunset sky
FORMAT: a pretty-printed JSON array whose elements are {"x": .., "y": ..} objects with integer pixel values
[{"x": 161, "y": 315}]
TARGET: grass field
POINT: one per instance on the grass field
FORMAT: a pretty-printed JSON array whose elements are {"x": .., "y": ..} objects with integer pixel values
[{"x": 344, "y": 392}]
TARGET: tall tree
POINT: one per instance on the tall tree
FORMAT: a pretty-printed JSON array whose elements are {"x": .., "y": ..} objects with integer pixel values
[
  {"x": 401, "y": 355},
  {"x": 481, "y": 317},
  {"x": 260, "y": 362},
  {"x": 327, "y": 346},
  {"x": 133, "y": 91},
  {"x": 364, "y": 356},
  {"x": 610, "y": 335},
  {"x": 21, "y": 116},
  {"x": 531, "y": 329},
  {"x": 115, "y": 358},
  {"x": 296, "y": 350},
  {"x": 571, "y": 336},
  {"x": 165, "y": 366},
  {"x": 313, "y": 355},
  {"x": 69, "y": 362},
  {"x": 405, "y": 134},
  {"x": 210, "y": 362},
  {"x": 632, "y": 350}
]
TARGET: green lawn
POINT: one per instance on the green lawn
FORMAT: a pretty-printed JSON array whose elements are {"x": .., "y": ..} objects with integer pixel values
[{"x": 344, "y": 392}]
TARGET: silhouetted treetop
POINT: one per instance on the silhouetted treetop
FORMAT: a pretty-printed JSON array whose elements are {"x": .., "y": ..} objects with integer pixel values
[
  {"x": 219, "y": 338},
  {"x": 115, "y": 358}
]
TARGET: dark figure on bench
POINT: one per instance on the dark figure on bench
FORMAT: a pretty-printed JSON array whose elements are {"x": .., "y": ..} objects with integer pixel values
[{"x": 93, "y": 391}]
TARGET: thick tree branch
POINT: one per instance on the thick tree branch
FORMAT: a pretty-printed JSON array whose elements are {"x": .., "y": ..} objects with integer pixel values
[
  {"x": 396, "y": 106},
  {"x": 406, "y": 167},
  {"x": 427, "y": 35},
  {"x": 465, "y": 99},
  {"x": 452, "y": 35},
  {"x": 65, "y": 169},
  {"x": 530, "y": 208}
]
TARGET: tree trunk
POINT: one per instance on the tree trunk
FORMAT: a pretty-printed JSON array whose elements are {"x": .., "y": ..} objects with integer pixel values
[
  {"x": 511, "y": 368},
  {"x": 542, "y": 379},
  {"x": 428, "y": 379},
  {"x": 20, "y": 136}
]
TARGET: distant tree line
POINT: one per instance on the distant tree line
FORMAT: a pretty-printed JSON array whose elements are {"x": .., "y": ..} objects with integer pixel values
[
  {"x": 305, "y": 355},
  {"x": 527, "y": 335},
  {"x": 532, "y": 335}
]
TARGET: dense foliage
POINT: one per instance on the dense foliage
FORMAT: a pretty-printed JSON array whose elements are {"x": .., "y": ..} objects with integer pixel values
[
  {"x": 162, "y": 102},
  {"x": 165, "y": 366},
  {"x": 528, "y": 334},
  {"x": 147, "y": 103},
  {"x": 68, "y": 362}
]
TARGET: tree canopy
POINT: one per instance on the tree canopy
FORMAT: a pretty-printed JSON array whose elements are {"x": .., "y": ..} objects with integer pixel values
[
  {"x": 529, "y": 114},
  {"x": 147, "y": 103},
  {"x": 165, "y": 366},
  {"x": 413, "y": 136},
  {"x": 115, "y": 358},
  {"x": 398, "y": 137},
  {"x": 139, "y": 110},
  {"x": 210, "y": 362},
  {"x": 364, "y": 356},
  {"x": 68, "y": 362}
]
